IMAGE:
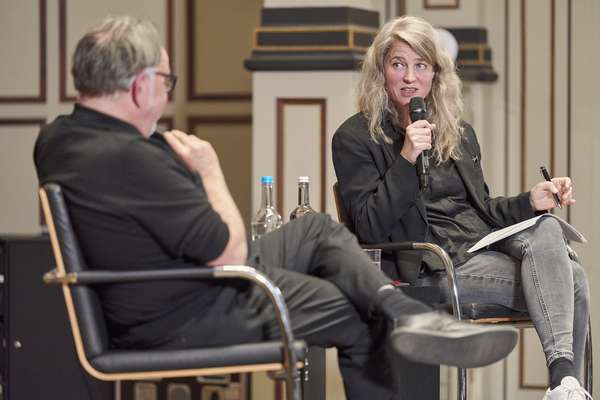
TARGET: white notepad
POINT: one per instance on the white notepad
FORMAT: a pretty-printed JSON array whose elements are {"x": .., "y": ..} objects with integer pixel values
[{"x": 568, "y": 230}]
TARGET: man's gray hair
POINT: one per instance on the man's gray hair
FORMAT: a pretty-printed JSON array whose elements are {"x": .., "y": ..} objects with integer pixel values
[{"x": 111, "y": 54}]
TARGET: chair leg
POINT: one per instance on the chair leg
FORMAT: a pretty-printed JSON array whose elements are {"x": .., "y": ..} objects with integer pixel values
[
  {"x": 462, "y": 384},
  {"x": 294, "y": 391},
  {"x": 453, "y": 291},
  {"x": 588, "y": 361}
]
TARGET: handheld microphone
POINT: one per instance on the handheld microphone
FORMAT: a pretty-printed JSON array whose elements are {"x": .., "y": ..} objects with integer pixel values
[{"x": 418, "y": 112}]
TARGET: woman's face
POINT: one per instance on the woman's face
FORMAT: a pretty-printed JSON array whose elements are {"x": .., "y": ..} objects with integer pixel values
[{"x": 406, "y": 75}]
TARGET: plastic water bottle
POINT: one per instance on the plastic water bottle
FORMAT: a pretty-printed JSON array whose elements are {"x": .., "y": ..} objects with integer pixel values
[
  {"x": 303, "y": 201},
  {"x": 266, "y": 219}
]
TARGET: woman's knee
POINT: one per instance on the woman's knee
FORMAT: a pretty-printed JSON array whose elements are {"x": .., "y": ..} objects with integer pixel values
[
  {"x": 546, "y": 238},
  {"x": 549, "y": 226}
]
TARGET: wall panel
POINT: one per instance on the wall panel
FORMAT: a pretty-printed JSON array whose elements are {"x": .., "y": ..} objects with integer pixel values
[
  {"x": 301, "y": 147},
  {"x": 76, "y": 17},
  {"x": 216, "y": 48},
  {"x": 18, "y": 181},
  {"x": 23, "y": 43},
  {"x": 232, "y": 140},
  {"x": 585, "y": 141},
  {"x": 537, "y": 88}
]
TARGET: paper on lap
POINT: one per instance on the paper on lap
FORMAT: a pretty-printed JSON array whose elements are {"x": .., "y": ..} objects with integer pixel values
[{"x": 568, "y": 230}]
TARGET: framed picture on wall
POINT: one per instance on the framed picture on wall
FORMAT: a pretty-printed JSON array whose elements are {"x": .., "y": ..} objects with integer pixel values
[{"x": 441, "y": 4}]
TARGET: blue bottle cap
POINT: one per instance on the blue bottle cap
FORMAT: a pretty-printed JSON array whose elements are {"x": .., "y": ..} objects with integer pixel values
[{"x": 266, "y": 179}]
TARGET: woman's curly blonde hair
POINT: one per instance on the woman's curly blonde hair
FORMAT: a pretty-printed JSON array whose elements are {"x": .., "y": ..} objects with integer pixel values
[{"x": 444, "y": 103}]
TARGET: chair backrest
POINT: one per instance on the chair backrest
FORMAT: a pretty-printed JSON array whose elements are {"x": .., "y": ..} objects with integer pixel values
[
  {"x": 341, "y": 210},
  {"x": 83, "y": 305}
]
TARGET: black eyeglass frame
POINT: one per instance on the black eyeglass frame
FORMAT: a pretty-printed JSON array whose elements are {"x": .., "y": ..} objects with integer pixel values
[{"x": 171, "y": 79}]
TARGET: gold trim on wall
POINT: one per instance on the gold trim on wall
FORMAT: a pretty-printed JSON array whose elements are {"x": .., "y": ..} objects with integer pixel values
[
  {"x": 481, "y": 48},
  {"x": 311, "y": 48},
  {"x": 350, "y": 31},
  {"x": 312, "y": 29},
  {"x": 474, "y": 62}
]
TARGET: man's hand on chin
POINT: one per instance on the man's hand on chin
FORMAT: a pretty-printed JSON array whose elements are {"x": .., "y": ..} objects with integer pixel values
[{"x": 198, "y": 154}]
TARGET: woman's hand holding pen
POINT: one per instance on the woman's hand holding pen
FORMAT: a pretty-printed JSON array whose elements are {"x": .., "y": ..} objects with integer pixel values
[
  {"x": 542, "y": 194},
  {"x": 416, "y": 139}
]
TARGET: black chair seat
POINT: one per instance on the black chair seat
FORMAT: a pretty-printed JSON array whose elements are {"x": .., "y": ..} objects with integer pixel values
[
  {"x": 116, "y": 361},
  {"x": 480, "y": 311}
]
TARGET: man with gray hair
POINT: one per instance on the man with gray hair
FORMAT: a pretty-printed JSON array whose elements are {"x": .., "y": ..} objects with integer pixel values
[{"x": 139, "y": 199}]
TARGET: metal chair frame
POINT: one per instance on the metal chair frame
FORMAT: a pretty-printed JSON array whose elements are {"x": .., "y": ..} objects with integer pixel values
[
  {"x": 518, "y": 321},
  {"x": 285, "y": 367}
]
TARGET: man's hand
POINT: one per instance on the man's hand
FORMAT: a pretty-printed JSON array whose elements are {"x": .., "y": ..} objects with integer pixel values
[
  {"x": 541, "y": 195},
  {"x": 197, "y": 154},
  {"x": 200, "y": 157}
]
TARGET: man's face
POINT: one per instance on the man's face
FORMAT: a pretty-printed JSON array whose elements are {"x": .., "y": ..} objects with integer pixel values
[{"x": 159, "y": 93}]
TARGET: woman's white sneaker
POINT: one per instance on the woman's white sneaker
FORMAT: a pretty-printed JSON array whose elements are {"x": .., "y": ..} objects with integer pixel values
[{"x": 569, "y": 389}]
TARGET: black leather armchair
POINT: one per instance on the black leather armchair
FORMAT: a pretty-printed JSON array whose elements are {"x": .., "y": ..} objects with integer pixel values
[
  {"x": 90, "y": 332},
  {"x": 473, "y": 312}
]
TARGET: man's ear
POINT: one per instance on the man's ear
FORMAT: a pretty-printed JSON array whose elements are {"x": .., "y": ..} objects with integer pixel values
[{"x": 139, "y": 89}]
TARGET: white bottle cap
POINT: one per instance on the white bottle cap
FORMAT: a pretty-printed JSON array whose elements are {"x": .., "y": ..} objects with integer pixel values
[{"x": 303, "y": 179}]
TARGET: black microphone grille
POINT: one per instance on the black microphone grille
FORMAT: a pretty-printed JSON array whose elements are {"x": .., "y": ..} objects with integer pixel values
[
  {"x": 416, "y": 109},
  {"x": 417, "y": 104}
]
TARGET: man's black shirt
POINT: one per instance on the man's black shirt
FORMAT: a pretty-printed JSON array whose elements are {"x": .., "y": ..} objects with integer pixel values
[{"x": 134, "y": 205}]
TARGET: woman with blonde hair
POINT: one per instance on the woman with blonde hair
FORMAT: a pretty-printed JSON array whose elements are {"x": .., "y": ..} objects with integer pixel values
[{"x": 375, "y": 152}]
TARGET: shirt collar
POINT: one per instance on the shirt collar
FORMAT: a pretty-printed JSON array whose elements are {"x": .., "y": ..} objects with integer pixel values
[
  {"x": 98, "y": 118},
  {"x": 390, "y": 128}
]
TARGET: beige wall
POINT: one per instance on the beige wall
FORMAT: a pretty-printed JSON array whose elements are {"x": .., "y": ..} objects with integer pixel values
[
  {"x": 212, "y": 98},
  {"x": 522, "y": 122},
  {"x": 536, "y": 113}
]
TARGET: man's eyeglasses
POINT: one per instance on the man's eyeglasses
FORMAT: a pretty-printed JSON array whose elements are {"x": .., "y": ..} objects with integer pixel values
[{"x": 170, "y": 79}]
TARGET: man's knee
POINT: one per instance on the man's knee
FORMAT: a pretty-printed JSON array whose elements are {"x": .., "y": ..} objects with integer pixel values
[
  {"x": 317, "y": 218},
  {"x": 314, "y": 223}
]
